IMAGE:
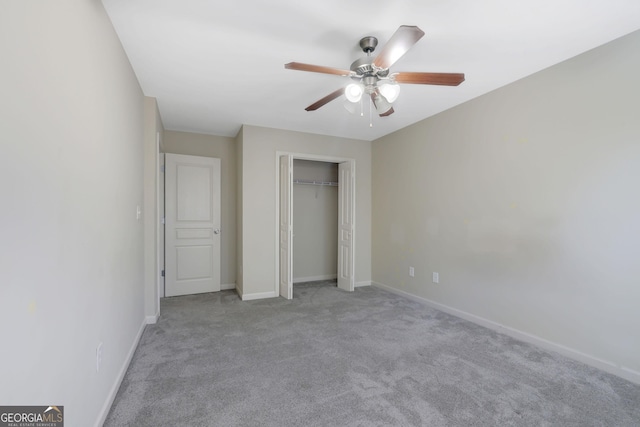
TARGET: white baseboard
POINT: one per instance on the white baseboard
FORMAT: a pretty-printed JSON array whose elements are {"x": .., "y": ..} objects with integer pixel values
[
  {"x": 315, "y": 278},
  {"x": 227, "y": 286},
  {"x": 365, "y": 283},
  {"x": 604, "y": 365},
  {"x": 150, "y": 320},
  {"x": 102, "y": 416},
  {"x": 258, "y": 295}
]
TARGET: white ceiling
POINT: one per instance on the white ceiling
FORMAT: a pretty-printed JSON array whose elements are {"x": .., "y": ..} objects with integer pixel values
[{"x": 214, "y": 65}]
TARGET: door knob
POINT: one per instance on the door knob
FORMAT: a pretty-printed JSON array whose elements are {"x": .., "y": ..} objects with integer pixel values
[{"x": 216, "y": 231}]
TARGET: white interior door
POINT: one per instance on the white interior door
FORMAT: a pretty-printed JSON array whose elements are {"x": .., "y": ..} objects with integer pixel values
[
  {"x": 192, "y": 196},
  {"x": 346, "y": 225},
  {"x": 286, "y": 227}
]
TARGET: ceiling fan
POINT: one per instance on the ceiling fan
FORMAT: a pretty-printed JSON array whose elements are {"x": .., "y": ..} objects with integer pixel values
[{"x": 372, "y": 75}]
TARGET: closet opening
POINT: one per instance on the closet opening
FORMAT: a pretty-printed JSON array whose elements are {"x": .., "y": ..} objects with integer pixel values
[
  {"x": 315, "y": 221},
  {"x": 315, "y": 202}
]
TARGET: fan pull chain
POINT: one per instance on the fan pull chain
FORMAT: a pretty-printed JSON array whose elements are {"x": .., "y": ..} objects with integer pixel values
[{"x": 370, "y": 113}]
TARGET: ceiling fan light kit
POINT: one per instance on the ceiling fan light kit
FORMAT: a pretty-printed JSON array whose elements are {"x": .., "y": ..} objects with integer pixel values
[
  {"x": 390, "y": 91},
  {"x": 383, "y": 107},
  {"x": 372, "y": 75},
  {"x": 353, "y": 92}
]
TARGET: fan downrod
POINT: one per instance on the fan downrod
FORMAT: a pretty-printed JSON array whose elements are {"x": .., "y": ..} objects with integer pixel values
[{"x": 363, "y": 67}]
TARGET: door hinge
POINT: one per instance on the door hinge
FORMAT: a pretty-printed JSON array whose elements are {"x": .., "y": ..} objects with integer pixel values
[
  {"x": 162, "y": 220},
  {"x": 161, "y": 168},
  {"x": 162, "y": 273}
]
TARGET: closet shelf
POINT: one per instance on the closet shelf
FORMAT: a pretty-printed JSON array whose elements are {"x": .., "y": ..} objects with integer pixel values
[{"x": 309, "y": 182}]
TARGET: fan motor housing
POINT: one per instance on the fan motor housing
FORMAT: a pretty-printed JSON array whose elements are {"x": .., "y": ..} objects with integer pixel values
[{"x": 364, "y": 67}]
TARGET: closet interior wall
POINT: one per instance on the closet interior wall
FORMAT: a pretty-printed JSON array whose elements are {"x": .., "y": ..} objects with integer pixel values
[{"x": 315, "y": 220}]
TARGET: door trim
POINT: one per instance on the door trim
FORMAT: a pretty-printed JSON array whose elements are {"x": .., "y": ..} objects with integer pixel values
[{"x": 304, "y": 156}]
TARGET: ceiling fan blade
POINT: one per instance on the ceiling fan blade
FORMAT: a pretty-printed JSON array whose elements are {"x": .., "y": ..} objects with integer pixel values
[
  {"x": 446, "y": 79},
  {"x": 316, "y": 69},
  {"x": 325, "y": 100},
  {"x": 399, "y": 43}
]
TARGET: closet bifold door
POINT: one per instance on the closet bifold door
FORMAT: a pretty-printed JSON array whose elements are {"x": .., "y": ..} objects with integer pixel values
[
  {"x": 346, "y": 225},
  {"x": 286, "y": 227}
]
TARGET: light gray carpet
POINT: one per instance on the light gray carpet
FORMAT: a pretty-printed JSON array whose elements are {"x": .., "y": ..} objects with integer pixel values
[{"x": 368, "y": 358}]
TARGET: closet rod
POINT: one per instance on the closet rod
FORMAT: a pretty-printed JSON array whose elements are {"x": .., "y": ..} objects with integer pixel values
[{"x": 308, "y": 182}]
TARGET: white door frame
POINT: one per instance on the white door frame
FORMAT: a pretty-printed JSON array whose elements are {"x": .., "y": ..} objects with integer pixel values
[
  {"x": 305, "y": 156},
  {"x": 160, "y": 224}
]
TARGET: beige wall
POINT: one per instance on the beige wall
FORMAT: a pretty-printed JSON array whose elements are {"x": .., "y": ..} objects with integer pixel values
[
  {"x": 224, "y": 148},
  {"x": 257, "y": 258},
  {"x": 315, "y": 232},
  {"x": 526, "y": 202},
  {"x": 153, "y": 138},
  {"x": 312, "y": 170},
  {"x": 71, "y": 252}
]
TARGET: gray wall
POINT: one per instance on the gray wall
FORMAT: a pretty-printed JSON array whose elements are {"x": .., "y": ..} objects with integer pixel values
[
  {"x": 525, "y": 201},
  {"x": 71, "y": 252},
  {"x": 224, "y": 148}
]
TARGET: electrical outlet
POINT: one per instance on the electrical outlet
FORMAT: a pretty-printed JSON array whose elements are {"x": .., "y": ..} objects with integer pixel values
[
  {"x": 436, "y": 277},
  {"x": 98, "y": 357},
  {"x": 412, "y": 272}
]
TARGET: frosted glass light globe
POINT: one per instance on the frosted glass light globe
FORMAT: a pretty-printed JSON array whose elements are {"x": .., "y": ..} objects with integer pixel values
[
  {"x": 389, "y": 91},
  {"x": 353, "y": 92}
]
